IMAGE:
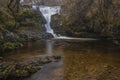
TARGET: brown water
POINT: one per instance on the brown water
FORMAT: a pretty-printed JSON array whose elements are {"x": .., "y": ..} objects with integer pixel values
[{"x": 82, "y": 60}]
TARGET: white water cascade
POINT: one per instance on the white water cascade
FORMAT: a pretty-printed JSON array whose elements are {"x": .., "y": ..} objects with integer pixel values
[
  {"x": 47, "y": 13},
  {"x": 21, "y": 1}
]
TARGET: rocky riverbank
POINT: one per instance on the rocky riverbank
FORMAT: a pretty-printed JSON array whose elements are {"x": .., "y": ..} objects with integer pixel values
[
  {"x": 29, "y": 27},
  {"x": 11, "y": 70},
  {"x": 14, "y": 40}
]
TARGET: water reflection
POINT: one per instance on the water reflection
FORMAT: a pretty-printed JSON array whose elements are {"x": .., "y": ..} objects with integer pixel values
[
  {"x": 53, "y": 48},
  {"x": 49, "y": 47},
  {"x": 33, "y": 49}
]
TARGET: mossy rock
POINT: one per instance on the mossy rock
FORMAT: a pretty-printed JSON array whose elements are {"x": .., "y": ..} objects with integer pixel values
[{"x": 11, "y": 45}]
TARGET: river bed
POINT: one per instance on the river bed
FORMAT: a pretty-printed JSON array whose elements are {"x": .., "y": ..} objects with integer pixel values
[{"x": 81, "y": 59}]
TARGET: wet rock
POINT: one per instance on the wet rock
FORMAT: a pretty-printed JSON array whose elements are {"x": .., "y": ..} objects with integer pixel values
[
  {"x": 57, "y": 25},
  {"x": 1, "y": 36},
  {"x": 45, "y": 60},
  {"x": 26, "y": 35},
  {"x": 44, "y": 2},
  {"x": 53, "y": 58},
  {"x": 14, "y": 71},
  {"x": 47, "y": 35},
  {"x": 57, "y": 57},
  {"x": 1, "y": 58},
  {"x": 117, "y": 42},
  {"x": 10, "y": 36}
]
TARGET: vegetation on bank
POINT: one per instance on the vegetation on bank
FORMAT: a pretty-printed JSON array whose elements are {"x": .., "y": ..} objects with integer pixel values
[
  {"x": 13, "y": 19},
  {"x": 101, "y": 17}
]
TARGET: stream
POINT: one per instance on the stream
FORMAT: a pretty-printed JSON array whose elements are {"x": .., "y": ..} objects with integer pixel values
[{"x": 81, "y": 59}]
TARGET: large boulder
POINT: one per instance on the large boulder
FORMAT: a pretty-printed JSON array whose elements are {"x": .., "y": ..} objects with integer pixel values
[
  {"x": 46, "y": 35},
  {"x": 56, "y": 24}
]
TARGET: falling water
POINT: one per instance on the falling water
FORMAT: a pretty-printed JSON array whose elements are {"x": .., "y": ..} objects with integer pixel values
[
  {"x": 47, "y": 13},
  {"x": 21, "y": 1}
]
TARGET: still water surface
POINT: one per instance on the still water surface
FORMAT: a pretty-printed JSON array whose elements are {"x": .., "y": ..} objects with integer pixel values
[{"x": 81, "y": 60}]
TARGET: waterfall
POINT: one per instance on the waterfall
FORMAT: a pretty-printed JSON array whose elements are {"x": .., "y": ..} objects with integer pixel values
[{"x": 47, "y": 13}]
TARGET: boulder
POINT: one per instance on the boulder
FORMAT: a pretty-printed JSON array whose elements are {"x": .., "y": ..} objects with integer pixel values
[
  {"x": 46, "y": 35},
  {"x": 1, "y": 58},
  {"x": 56, "y": 24}
]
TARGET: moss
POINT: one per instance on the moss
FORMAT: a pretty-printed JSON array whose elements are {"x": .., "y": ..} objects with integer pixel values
[
  {"x": 2, "y": 27},
  {"x": 23, "y": 71},
  {"x": 11, "y": 45},
  {"x": 26, "y": 13},
  {"x": 6, "y": 72},
  {"x": 30, "y": 18},
  {"x": 6, "y": 19},
  {"x": 25, "y": 18},
  {"x": 9, "y": 25}
]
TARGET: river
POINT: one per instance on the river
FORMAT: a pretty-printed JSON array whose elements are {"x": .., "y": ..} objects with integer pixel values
[{"x": 81, "y": 59}]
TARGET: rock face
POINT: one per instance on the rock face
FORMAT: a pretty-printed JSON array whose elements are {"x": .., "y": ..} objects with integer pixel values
[
  {"x": 25, "y": 35},
  {"x": 43, "y": 2},
  {"x": 53, "y": 2},
  {"x": 56, "y": 24}
]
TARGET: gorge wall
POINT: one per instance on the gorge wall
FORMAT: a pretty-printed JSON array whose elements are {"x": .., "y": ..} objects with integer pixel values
[
  {"x": 17, "y": 27},
  {"x": 101, "y": 17}
]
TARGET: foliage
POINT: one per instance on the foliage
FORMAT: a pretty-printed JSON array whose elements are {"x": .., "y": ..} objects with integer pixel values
[
  {"x": 30, "y": 18},
  {"x": 96, "y": 16},
  {"x": 13, "y": 16},
  {"x": 24, "y": 18}
]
